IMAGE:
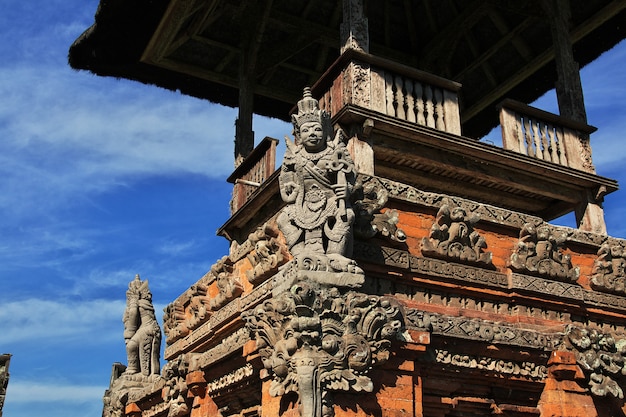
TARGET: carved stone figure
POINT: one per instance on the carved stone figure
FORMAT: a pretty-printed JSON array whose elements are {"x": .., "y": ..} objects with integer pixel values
[
  {"x": 538, "y": 252},
  {"x": 609, "y": 269},
  {"x": 602, "y": 358},
  {"x": 316, "y": 179},
  {"x": 370, "y": 197},
  {"x": 141, "y": 330},
  {"x": 453, "y": 237},
  {"x": 315, "y": 340}
]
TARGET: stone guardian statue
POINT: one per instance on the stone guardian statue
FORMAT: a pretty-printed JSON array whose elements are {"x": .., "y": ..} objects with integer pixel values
[
  {"x": 316, "y": 179},
  {"x": 142, "y": 333}
]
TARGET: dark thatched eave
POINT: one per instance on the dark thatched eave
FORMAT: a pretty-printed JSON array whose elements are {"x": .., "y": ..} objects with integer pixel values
[{"x": 114, "y": 45}]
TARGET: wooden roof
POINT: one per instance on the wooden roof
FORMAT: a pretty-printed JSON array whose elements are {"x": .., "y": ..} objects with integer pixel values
[{"x": 495, "y": 48}]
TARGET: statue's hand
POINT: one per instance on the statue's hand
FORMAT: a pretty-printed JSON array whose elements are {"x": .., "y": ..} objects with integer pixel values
[
  {"x": 341, "y": 190},
  {"x": 289, "y": 191}
]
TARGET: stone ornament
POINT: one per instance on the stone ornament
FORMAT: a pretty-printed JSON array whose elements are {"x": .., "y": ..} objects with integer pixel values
[
  {"x": 142, "y": 333},
  {"x": 175, "y": 390},
  {"x": 370, "y": 197},
  {"x": 268, "y": 254},
  {"x": 316, "y": 179},
  {"x": 602, "y": 357},
  {"x": 539, "y": 252},
  {"x": 609, "y": 269},
  {"x": 452, "y": 236},
  {"x": 314, "y": 340}
]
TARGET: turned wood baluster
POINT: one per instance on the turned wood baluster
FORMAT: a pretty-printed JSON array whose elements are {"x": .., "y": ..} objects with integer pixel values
[
  {"x": 528, "y": 135},
  {"x": 440, "y": 122},
  {"x": 410, "y": 101},
  {"x": 389, "y": 96},
  {"x": 419, "y": 105},
  {"x": 400, "y": 113},
  {"x": 430, "y": 107}
]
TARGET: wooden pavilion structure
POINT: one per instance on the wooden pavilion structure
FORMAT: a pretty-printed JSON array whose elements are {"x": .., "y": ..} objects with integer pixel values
[{"x": 526, "y": 319}]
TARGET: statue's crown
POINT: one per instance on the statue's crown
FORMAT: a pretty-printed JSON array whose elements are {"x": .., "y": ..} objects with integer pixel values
[{"x": 308, "y": 109}]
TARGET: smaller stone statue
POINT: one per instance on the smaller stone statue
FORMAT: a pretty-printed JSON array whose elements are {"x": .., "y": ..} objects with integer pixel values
[
  {"x": 142, "y": 333},
  {"x": 316, "y": 180}
]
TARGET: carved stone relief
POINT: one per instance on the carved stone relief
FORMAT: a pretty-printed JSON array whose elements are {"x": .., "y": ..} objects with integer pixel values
[
  {"x": 519, "y": 369},
  {"x": 609, "y": 269},
  {"x": 602, "y": 357},
  {"x": 314, "y": 340},
  {"x": 142, "y": 333},
  {"x": 539, "y": 252},
  {"x": 370, "y": 197},
  {"x": 268, "y": 254},
  {"x": 452, "y": 236},
  {"x": 481, "y": 330},
  {"x": 175, "y": 390}
]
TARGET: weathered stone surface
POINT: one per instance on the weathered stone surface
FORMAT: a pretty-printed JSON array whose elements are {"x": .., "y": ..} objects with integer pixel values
[{"x": 141, "y": 330}]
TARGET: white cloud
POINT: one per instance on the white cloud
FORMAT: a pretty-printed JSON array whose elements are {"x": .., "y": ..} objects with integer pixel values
[
  {"x": 34, "y": 391},
  {"x": 33, "y": 320}
]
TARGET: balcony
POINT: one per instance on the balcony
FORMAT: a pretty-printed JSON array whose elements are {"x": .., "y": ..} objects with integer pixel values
[{"x": 404, "y": 125}]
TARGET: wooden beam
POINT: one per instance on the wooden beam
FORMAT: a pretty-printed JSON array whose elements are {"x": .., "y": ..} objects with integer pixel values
[{"x": 542, "y": 59}]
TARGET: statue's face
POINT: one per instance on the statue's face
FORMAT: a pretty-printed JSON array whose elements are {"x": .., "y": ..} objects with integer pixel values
[{"x": 312, "y": 137}]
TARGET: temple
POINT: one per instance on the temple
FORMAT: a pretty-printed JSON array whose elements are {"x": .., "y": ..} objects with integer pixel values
[{"x": 393, "y": 264}]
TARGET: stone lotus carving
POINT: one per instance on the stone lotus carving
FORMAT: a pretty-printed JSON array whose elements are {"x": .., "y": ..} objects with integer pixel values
[
  {"x": 316, "y": 179},
  {"x": 602, "y": 357},
  {"x": 452, "y": 236},
  {"x": 370, "y": 197},
  {"x": 316, "y": 340},
  {"x": 142, "y": 333},
  {"x": 539, "y": 252},
  {"x": 609, "y": 269}
]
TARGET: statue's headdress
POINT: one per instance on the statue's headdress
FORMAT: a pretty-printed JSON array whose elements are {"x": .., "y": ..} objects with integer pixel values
[{"x": 309, "y": 111}]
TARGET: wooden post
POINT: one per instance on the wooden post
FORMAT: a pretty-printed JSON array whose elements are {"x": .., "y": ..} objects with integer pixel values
[
  {"x": 254, "y": 18},
  {"x": 354, "y": 28},
  {"x": 569, "y": 92}
]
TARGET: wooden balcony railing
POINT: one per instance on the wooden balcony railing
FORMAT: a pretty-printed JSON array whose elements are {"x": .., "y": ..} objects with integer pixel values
[
  {"x": 393, "y": 89},
  {"x": 545, "y": 136},
  {"x": 253, "y": 172}
]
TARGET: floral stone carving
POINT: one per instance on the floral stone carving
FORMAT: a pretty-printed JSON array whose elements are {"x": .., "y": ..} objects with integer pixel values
[
  {"x": 314, "y": 340},
  {"x": 602, "y": 358},
  {"x": 609, "y": 269},
  {"x": 316, "y": 179},
  {"x": 538, "y": 252},
  {"x": 452, "y": 236},
  {"x": 142, "y": 333}
]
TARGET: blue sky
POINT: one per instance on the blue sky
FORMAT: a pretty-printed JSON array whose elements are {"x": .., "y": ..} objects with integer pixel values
[{"x": 102, "y": 179}]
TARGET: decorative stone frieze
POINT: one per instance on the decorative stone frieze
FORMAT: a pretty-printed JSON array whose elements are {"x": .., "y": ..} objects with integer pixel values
[
  {"x": 452, "y": 236},
  {"x": 609, "y": 269},
  {"x": 519, "y": 369},
  {"x": 481, "y": 330},
  {"x": 547, "y": 287},
  {"x": 539, "y": 252},
  {"x": 602, "y": 357},
  {"x": 230, "y": 379},
  {"x": 314, "y": 340}
]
